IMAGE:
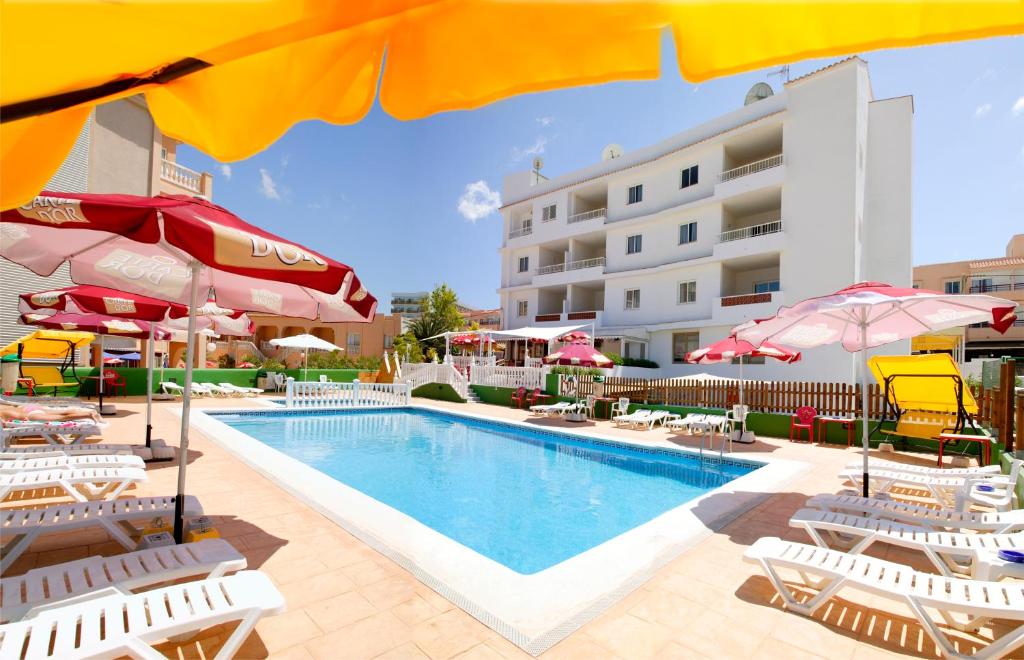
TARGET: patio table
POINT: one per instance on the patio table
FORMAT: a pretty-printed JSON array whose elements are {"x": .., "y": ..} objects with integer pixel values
[
  {"x": 951, "y": 438},
  {"x": 846, "y": 423},
  {"x": 607, "y": 401},
  {"x": 990, "y": 567}
]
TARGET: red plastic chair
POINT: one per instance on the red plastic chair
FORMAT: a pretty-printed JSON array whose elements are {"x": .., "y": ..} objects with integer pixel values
[
  {"x": 803, "y": 419},
  {"x": 531, "y": 400},
  {"x": 117, "y": 382},
  {"x": 519, "y": 397}
]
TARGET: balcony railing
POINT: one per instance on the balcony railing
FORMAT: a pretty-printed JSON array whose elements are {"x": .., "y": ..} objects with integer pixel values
[
  {"x": 581, "y": 316},
  {"x": 544, "y": 318},
  {"x": 522, "y": 231},
  {"x": 746, "y": 299},
  {"x": 587, "y": 215},
  {"x": 572, "y": 265},
  {"x": 181, "y": 176},
  {"x": 773, "y": 227},
  {"x": 996, "y": 286},
  {"x": 751, "y": 168}
]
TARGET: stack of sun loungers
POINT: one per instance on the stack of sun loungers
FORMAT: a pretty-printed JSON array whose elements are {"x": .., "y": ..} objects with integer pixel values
[
  {"x": 125, "y": 604},
  {"x": 966, "y": 548},
  {"x": 644, "y": 418}
]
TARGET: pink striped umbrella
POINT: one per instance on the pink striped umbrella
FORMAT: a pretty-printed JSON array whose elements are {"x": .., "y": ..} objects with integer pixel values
[{"x": 578, "y": 355}]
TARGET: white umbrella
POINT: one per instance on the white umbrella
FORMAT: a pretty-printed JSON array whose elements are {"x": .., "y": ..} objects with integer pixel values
[{"x": 305, "y": 343}]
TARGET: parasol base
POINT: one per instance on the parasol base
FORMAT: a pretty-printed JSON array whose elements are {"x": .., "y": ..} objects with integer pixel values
[
  {"x": 108, "y": 410},
  {"x": 744, "y": 438}
]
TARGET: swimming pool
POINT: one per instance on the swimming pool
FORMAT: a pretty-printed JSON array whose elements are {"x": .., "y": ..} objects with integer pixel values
[{"x": 527, "y": 498}]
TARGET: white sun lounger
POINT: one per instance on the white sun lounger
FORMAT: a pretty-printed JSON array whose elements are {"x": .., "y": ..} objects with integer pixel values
[
  {"x": 829, "y": 571},
  {"x": 636, "y": 417},
  {"x": 83, "y": 484},
  {"x": 65, "y": 462},
  {"x": 943, "y": 489},
  {"x": 19, "y": 528},
  {"x": 54, "y": 433},
  {"x": 951, "y": 553},
  {"x": 22, "y": 595},
  {"x": 684, "y": 424},
  {"x": 198, "y": 389},
  {"x": 657, "y": 417},
  {"x": 553, "y": 408},
  {"x": 922, "y": 516},
  {"x": 129, "y": 624},
  {"x": 43, "y": 451},
  {"x": 215, "y": 390},
  {"x": 243, "y": 390},
  {"x": 879, "y": 464}
]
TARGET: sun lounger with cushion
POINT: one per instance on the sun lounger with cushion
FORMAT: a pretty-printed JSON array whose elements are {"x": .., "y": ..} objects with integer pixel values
[
  {"x": 126, "y": 573},
  {"x": 65, "y": 462},
  {"x": 130, "y": 624},
  {"x": 120, "y": 518},
  {"x": 47, "y": 401},
  {"x": 963, "y": 604},
  {"x": 83, "y": 484},
  {"x": 55, "y": 433},
  {"x": 951, "y": 553},
  {"x": 922, "y": 516}
]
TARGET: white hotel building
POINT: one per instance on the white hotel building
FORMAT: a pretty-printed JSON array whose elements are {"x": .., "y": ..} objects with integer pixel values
[{"x": 668, "y": 247}]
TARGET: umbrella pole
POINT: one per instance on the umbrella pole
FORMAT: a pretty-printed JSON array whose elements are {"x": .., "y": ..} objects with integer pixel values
[
  {"x": 102, "y": 360},
  {"x": 743, "y": 422},
  {"x": 150, "y": 356},
  {"x": 186, "y": 400},
  {"x": 864, "y": 400}
]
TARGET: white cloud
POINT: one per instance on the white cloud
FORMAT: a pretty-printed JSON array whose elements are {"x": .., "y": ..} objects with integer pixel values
[
  {"x": 1018, "y": 107},
  {"x": 478, "y": 201},
  {"x": 982, "y": 110},
  {"x": 534, "y": 149},
  {"x": 285, "y": 159},
  {"x": 225, "y": 171},
  {"x": 545, "y": 121},
  {"x": 268, "y": 187}
]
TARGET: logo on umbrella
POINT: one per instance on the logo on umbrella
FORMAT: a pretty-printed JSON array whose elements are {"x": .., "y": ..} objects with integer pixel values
[{"x": 53, "y": 210}]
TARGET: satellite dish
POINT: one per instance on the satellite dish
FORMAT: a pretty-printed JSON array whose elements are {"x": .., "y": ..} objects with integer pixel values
[
  {"x": 758, "y": 92},
  {"x": 612, "y": 151},
  {"x": 538, "y": 163}
]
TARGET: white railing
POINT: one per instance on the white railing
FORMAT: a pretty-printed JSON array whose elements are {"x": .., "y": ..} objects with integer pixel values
[
  {"x": 463, "y": 362},
  {"x": 304, "y": 394},
  {"x": 182, "y": 176},
  {"x": 418, "y": 374},
  {"x": 528, "y": 377},
  {"x": 533, "y": 362},
  {"x": 524, "y": 231},
  {"x": 572, "y": 265},
  {"x": 751, "y": 168},
  {"x": 587, "y": 215},
  {"x": 773, "y": 227}
]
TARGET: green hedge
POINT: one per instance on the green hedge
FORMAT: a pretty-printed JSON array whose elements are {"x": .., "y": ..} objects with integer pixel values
[{"x": 438, "y": 392}]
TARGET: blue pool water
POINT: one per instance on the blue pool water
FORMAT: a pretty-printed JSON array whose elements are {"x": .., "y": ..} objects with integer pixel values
[{"x": 527, "y": 499}]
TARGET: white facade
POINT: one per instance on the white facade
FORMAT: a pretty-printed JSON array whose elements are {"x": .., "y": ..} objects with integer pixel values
[{"x": 796, "y": 195}]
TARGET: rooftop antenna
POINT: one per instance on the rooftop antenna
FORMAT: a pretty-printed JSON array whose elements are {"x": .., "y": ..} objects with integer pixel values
[{"x": 782, "y": 72}]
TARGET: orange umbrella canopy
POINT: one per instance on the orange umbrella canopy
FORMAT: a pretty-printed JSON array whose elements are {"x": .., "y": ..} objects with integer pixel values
[{"x": 231, "y": 77}]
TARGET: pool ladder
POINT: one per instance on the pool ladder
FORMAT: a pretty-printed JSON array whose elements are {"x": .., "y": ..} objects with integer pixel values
[{"x": 709, "y": 432}]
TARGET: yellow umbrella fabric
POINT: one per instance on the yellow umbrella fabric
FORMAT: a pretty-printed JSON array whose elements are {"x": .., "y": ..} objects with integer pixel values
[
  {"x": 935, "y": 342},
  {"x": 49, "y": 344},
  {"x": 230, "y": 77}
]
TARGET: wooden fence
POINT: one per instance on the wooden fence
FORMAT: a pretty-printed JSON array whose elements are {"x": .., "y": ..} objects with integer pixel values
[{"x": 839, "y": 399}]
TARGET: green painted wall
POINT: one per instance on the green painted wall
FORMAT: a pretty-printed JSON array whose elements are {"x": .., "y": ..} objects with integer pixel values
[{"x": 438, "y": 392}]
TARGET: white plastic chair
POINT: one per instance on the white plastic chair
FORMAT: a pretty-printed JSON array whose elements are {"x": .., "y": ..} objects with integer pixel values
[{"x": 620, "y": 407}]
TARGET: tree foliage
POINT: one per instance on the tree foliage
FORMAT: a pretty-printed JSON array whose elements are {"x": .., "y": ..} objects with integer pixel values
[{"x": 440, "y": 315}]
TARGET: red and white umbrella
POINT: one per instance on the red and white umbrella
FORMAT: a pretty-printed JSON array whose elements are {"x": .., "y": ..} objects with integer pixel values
[
  {"x": 172, "y": 247},
  {"x": 574, "y": 336},
  {"x": 870, "y": 314},
  {"x": 730, "y": 348},
  {"x": 578, "y": 355}
]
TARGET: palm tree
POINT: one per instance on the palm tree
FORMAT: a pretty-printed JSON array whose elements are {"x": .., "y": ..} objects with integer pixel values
[{"x": 429, "y": 326}]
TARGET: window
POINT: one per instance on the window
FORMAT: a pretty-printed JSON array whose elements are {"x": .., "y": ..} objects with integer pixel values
[
  {"x": 389, "y": 341},
  {"x": 632, "y": 298},
  {"x": 766, "y": 287},
  {"x": 953, "y": 286},
  {"x": 683, "y": 343},
  {"x": 524, "y": 264},
  {"x": 687, "y": 293},
  {"x": 636, "y": 194},
  {"x": 354, "y": 342},
  {"x": 521, "y": 307},
  {"x": 981, "y": 285},
  {"x": 688, "y": 233},
  {"x": 688, "y": 177},
  {"x": 636, "y": 350},
  {"x": 634, "y": 243},
  {"x": 548, "y": 213}
]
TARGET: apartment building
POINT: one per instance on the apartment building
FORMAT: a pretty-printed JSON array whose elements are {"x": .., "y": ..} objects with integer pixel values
[
  {"x": 120, "y": 150},
  {"x": 358, "y": 339},
  {"x": 666, "y": 248},
  {"x": 998, "y": 276},
  {"x": 408, "y": 304}
]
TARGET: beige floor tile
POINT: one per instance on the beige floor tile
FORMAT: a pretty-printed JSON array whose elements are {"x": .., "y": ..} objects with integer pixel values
[
  {"x": 415, "y": 610},
  {"x": 317, "y": 587},
  {"x": 287, "y": 630},
  {"x": 389, "y": 592},
  {"x": 340, "y": 611},
  {"x": 364, "y": 639},
  {"x": 449, "y": 634},
  {"x": 404, "y": 652},
  {"x": 630, "y": 637}
]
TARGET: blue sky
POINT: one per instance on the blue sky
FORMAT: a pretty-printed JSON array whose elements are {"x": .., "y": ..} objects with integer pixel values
[{"x": 384, "y": 196}]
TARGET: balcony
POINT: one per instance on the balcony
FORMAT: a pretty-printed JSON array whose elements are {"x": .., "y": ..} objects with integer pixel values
[
  {"x": 987, "y": 287},
  {"x": 572, "y": 265},
  {"x": 772, "y": 227},
  {"x": 525, "y": 230},
  {"x": 570, "y": 317},
  {"x": 596, "y": 214},
  {"x": 735, "y": 309},
  {"x": 183, "y": 179},
  {"x": 751, "y": 168}
]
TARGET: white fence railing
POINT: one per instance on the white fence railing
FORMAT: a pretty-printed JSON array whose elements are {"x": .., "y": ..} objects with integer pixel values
[
  {"x": 751, "y": 168},
  {"x": 181, "y": 176},
  {"x": 430, "y": 372},
  {"x": 528, "y": 377},
  {"x": 596, "y": 262},
  {"x": 773, "y": 227},
  {"x": 463, "y": 362},
  {"x": 533, "y": 362},
  {"x": 304, "y": 394},
  {"x": 587, "y": 215}
]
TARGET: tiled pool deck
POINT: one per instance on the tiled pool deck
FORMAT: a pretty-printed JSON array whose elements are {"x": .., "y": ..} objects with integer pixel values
[{"x": 347, "y": 601}]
